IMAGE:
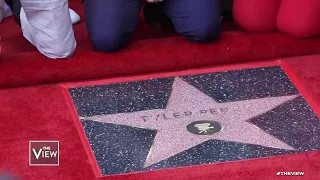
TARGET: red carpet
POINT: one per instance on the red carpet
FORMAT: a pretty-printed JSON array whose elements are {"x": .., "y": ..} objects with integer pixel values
[
  {"x": 22, "y": 65},
  {"x": 40, "y": 112}
]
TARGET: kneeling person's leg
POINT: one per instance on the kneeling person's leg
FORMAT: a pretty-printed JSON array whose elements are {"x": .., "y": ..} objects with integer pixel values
[
  {"x": 300, "y": 18},
  {"x": 111, "y": 23},
  {"x": 15, "y": 6},
  {"x": 198, "y": 20},
  {"x": 2, "y": 7},
  {"x": 256, "y": 15},
  {"x": 4, "y": 10},
  {"x": 47, "y": 25}
]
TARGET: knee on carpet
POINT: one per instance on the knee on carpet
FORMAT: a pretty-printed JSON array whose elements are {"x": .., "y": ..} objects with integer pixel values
[
  {"x": 109, "y": 43},
  {"x": 298, "y": 30},
  {"x": 300, "y": 19},
  {"x": 204, "y": 33},
  {"x": 256, "y": 16},
  {"x": 57, "y": 52}
]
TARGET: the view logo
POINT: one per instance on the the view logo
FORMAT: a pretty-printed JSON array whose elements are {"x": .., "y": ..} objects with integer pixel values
[{"x": 44, "y": 153}]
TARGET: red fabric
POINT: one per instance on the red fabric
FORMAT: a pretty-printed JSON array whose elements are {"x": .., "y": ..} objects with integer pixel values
[
  {"x": 256, "y": 15},
  {"x": 41, "y": 113},
  {"x": 22, "y": 65},
  {"x": 300, "y": 18},
  {"x": 150, "y": 56}
]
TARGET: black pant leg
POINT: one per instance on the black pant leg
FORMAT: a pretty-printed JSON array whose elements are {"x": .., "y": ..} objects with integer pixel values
[{"x": 15, "y": 6}]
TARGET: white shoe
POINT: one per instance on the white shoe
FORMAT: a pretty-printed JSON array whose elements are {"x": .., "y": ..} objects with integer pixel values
[{"x": 75, "y": 18}]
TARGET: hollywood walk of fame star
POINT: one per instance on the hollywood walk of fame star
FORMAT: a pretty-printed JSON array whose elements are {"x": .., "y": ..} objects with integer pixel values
[{"x": 172, "y": 135}]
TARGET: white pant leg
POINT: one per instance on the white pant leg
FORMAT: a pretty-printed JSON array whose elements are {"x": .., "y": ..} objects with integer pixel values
[{"x": 47, "y": 25}]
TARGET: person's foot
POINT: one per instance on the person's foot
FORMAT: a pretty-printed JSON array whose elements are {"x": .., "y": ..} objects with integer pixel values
[{"x": 75, "y": 18}]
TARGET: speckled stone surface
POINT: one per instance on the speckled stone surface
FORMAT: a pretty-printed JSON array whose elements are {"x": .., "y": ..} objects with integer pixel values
[
  {"x": 142, "y": 125},
  {"x": 122, "y": 97}
]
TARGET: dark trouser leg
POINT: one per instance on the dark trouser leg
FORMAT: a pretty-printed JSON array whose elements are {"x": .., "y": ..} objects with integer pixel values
[
  {"x": 15, "y": 6},
  {"x": 197, "y": 20},
  {"x": 111, "y": 23}
]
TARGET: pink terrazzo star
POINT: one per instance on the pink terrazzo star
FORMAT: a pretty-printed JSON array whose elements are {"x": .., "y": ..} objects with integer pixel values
[{"x": 188, "y": 104}]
